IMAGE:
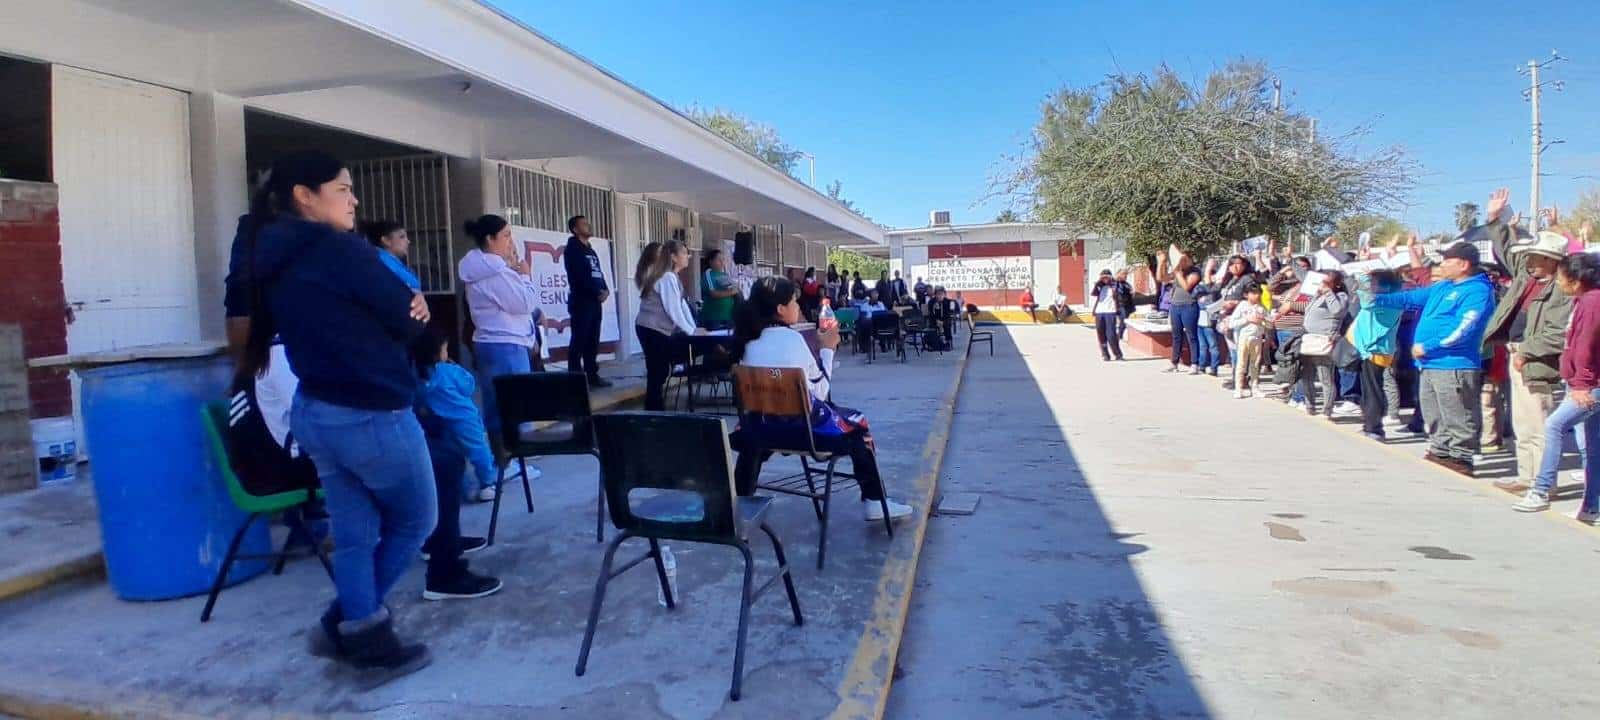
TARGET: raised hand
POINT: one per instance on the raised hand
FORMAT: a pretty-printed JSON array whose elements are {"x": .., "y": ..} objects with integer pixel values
[{"x": 1497, "y": 204}]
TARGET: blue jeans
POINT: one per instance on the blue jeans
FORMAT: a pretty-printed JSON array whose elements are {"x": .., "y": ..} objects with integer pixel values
[
  {"x": 1349, "y": 385},
  {"x": 1567, "y": 416},
  {"x": 378, "y": 483},
  {"x": 1210, "y": 355},
  {"x": 494, "y": 360},
  {"x": 1185, "y": 323}
]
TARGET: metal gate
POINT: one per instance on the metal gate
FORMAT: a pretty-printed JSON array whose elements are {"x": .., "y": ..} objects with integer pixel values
[{"x": 412, "y": 190}]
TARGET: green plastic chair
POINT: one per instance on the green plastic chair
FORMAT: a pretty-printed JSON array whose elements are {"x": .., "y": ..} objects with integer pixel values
[
  {"x": 847, "y": 318},
  {"x": 214, "y": 417}
]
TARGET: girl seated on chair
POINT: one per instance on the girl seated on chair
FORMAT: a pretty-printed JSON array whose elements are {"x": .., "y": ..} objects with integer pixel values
[{"x": 763, "y": 338}]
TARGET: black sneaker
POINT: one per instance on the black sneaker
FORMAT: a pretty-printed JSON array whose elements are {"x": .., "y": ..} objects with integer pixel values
[
  {"x": 469, "y": 545},
  {"x": 599, "y": 382},
  {"x": 463, "y": 586}
]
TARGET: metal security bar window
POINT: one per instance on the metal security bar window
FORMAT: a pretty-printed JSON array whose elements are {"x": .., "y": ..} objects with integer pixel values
[
  {"x": 544, "y": 202},
  {"x": 714, "y": 230},
  {"x": 818, "y": 252},
  {"x": 664, "y": 218},
  {"x": 767, "y": 243},
  {"x": 412, "y": 190},
  {"x": 794, "y": 252}
]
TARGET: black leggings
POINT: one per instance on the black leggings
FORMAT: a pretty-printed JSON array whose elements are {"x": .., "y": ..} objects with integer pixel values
[
  {"x": 444, "y": 545},
  {"x": 863, "y": 461},
  {"x": 660, "y": 351}
]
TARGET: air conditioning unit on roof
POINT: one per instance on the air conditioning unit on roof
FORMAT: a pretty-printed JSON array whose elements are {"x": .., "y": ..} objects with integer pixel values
[{"x": 939, "y": 217}]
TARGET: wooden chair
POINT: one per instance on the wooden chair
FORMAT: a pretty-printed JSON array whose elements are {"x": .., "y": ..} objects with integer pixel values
[{"x": 781, "y": 395}]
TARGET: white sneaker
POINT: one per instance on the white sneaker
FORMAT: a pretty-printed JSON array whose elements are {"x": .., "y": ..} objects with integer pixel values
[
  {"x": 487, "y": 494},
  {"x": 1588, "y": 517},
  {"x": 1532, "y": 502},
  {"x": 1346, "y": 409},
  {"x": 510, "y": 473},
  {"x": 1249, "y": 393},
  {"x": 1297, "y": 404},
  {"x": 872, "y": 511},
  {"x": 1238, "y": 394}
]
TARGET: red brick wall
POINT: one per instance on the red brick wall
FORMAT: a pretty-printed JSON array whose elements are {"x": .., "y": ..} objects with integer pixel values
[{"x": 31, "y": 293}]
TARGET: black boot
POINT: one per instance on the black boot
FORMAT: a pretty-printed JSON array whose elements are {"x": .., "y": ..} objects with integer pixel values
[
  {"x": 378, "y": 653},
  {"x": 324, "y": 636}
]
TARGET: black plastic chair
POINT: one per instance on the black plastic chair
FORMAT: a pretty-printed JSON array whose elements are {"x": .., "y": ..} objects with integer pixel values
[
  {"x": 544, "y": 414},
  {"x": 886, "y": 330},
  {"x": 974, "y": 335},
  {"x": 780, "y": 394},
  {"x": 706, "y": 362},
  {"x": 670, "y": 477},
  {"x": 913, "y": 326}
]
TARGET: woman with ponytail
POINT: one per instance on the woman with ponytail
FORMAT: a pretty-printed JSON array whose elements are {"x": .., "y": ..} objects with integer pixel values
[
  {"x": 763, "y": 338},
  {"x": 664, "y": 320},
  {"x": 501, "y": 298},
  {"x": 345, "y": 322}
]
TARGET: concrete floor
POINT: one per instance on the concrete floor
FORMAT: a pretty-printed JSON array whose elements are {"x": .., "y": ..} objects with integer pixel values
[
  {"x": 510, "y": 655},
  {"x": 1149, "y": 547}
]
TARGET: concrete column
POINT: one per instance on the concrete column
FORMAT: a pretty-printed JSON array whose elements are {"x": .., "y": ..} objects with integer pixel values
[{"x": 221, "y": 195}]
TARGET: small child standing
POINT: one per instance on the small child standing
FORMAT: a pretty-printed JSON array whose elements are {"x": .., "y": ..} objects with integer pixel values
[
  {"x": 1249, "y": 325},
  {"x": 454, "y": 433}
]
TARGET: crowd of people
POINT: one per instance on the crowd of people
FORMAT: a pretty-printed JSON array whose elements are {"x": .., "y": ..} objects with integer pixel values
[
  {"x": 1481, "y": 347},
  {"x": 342, "y": 384}
]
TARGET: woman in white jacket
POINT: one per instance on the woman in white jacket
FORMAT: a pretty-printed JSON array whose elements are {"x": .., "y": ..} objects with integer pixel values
[
  {"x": 664, "y": 320},
  {"x": 501, "y": 299},
  {"x": 763, "y": 338}
]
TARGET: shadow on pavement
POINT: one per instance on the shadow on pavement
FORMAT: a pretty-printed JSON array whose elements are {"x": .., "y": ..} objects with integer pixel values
[{"x": 1032, "y": 607}]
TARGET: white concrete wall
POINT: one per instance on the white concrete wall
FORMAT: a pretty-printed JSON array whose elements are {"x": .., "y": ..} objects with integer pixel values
[
  {"x": 221, "y": 195},
  {"x": 915, "y": 261},
  {"x": 1046, "y": 269}
]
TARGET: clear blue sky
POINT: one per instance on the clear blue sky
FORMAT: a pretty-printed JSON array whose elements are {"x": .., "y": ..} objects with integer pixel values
[{"x": 914, "y": 105}]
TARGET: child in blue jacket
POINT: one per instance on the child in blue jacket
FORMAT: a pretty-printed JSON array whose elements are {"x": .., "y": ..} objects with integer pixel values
[{"x": 454, "y": 432}]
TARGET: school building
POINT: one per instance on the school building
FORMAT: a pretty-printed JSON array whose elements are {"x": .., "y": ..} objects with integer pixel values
[
  {"x": 991, "y": 264},
  {"x": 134, "y": 129}
]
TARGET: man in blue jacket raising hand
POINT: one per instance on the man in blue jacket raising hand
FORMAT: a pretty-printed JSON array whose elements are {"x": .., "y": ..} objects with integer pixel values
[{"x": 1448, "y": 349}]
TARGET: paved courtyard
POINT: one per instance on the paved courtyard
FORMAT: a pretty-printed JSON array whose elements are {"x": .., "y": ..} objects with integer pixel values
[
  {"x": 1148, "y": 547},
  {"x": 511, "y": 655}
]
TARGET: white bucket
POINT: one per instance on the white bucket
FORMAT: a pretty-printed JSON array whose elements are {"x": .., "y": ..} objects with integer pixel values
[{"x": 55, "y": 446}]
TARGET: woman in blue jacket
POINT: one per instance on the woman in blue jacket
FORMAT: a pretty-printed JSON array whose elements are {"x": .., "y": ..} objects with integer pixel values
[{"x": 346, "y": 323}]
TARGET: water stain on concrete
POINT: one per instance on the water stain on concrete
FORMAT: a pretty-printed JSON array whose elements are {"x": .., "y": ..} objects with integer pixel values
[
  {"x": 1280, "y": 531},
  {"x": 1289, "y": 516},
  {"x": 1437, "y": 553},
  {"x": 1335, "y": 587},
  {"x": 1389, "y": 621},
  {"x": 1475, "y": 639}
]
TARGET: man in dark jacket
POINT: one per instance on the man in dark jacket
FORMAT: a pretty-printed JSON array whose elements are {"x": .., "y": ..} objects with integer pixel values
[
  {"x": 1530, "y": 320},
  {"x": 586, "y": 283}
]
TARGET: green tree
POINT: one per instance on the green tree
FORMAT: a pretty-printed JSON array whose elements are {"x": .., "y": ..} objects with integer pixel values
[
  {"x": 835, "y": 194},
  {"x": 1008, "y": 216},
  {"x": 1466, "y": 216},
  {"x": 1156, "y": 160},
  {"x": 1382, "y": 228},
  {"x": 756, "y": 138},
  {"x": 849, "y": 261},
  {"x": 1584, "y": 216}
]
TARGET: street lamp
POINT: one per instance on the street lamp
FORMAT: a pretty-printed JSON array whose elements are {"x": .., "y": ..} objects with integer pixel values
[{"x": 812, "y": 159}]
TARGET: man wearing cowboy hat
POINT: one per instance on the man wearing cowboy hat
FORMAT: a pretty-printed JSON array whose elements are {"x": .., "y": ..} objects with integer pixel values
[{"x": 1531, "y": 321}]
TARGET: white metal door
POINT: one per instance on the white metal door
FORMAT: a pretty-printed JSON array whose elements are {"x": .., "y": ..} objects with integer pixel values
[
  {"x": 630, "y": 242},
  {"x": 121, "y": 157}
]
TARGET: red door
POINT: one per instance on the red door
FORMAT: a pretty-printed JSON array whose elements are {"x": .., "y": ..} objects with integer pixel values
[{"x": 1072, "y": 272}]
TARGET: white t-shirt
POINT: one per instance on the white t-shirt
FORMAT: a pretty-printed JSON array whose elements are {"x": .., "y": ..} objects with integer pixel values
[
  {"x": 1106, "y": 305},
  {"x": 782, "y": 347}
]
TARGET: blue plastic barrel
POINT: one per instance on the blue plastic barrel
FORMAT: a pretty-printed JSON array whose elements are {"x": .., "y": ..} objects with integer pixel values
[{"x": 165, "y": 516}]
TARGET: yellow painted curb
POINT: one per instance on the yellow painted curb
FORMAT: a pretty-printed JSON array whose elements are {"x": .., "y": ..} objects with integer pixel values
[
  {"x": 90, "y": 566},
  {"x": 864, "y": 691}
]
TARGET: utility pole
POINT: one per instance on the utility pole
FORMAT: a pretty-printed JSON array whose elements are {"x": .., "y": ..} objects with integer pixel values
[
  {"x": 1277, "y": 93},
  {"x": 1538, "y": 147}
]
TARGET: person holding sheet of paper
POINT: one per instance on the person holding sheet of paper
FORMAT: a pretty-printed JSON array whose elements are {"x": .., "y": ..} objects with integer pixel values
[{"x": 1184, "y": 312}]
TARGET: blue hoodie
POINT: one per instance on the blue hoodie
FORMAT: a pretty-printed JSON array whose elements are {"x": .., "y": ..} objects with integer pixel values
[
  {"x": 447, "y": 394},
  {"x": 344, "y": 318},
  {"x": 1454, "y": 314}
]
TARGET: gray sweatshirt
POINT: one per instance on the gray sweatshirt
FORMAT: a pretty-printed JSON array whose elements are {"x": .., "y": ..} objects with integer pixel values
[{"x": 1325, "y": 313}]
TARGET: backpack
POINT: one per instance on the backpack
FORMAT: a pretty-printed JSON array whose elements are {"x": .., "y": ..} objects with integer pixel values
[{"x": 262, "y": 465}]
